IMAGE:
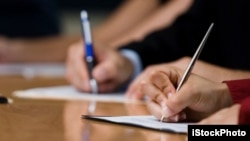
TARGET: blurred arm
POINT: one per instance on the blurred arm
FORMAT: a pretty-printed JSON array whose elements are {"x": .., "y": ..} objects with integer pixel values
[{"x": 47, "y": 49}]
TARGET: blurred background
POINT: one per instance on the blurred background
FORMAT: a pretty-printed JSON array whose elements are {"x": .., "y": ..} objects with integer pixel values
[
  {"x": 32, "y": 30},
  {"x": 69, "y": 12}
]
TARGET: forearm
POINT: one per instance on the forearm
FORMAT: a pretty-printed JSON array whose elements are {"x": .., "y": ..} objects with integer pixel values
[
  {"x": 126, "y": 16},
  {"x": 218, "y": 73},
  {"x": 211, "y": 71},
  {"x": 48, "y": 49},
  {"x": 158, "y": 19}
]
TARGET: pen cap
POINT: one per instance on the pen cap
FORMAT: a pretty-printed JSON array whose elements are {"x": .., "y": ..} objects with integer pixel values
[
  {"x": 84, "y": 14},
  {"x": 86, "y": 27},
  {"x": 87, "y": 33}
]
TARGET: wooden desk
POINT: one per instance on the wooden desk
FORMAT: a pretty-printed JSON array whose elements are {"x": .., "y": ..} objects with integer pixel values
[{"x": 51, "y": 120}]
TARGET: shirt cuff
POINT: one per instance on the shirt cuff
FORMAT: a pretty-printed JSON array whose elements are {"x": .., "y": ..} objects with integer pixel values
[
  {"x": 238, "y": 89},
  {"x": 245, "y": 111},
  {"x": 135, "y": 59}
]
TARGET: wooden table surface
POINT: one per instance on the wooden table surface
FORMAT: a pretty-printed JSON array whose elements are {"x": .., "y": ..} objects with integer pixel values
[{"x": 59, "y": 120}]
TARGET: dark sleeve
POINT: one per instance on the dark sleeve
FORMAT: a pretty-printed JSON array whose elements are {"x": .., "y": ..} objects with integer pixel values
[
  {"x": 239, "y": 89},
  {"x": 177, "y": 40},
  {"x": 162, "y": 1},
  {"x": 244, "y": 115},
  {"x": 160, "y": 46}
]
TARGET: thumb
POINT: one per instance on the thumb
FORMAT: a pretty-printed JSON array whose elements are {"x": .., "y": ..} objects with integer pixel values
[
  {"x": 104, "y": 71},
  {"x": 177, "y": 102}
]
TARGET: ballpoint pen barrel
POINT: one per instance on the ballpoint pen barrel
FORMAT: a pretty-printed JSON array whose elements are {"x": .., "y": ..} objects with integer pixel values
[{"x": 89, "y": 50}]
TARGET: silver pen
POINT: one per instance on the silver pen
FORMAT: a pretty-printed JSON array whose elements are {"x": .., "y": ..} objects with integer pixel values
[{"x": 192, "y": 62}]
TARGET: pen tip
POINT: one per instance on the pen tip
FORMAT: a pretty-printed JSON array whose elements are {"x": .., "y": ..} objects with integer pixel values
[{"x": 84, "y": 14}]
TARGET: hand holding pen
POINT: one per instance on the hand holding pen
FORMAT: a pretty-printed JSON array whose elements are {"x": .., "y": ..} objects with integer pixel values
[
  {"x": 161, "y": 87},
  {"x": 190, "y": 66},
  {"x": 89, "y": 56},
  {"x": 110, "y": 72}
]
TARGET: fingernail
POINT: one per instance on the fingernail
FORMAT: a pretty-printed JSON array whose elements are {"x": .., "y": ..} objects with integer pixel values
[
  {"x": 162, "y": 103},
  {"x": 169, "y": 95},
  {"x": 175, "y": 118},
  {"x": 183, "y": 116},
  {"x": 166, "y": 112}
]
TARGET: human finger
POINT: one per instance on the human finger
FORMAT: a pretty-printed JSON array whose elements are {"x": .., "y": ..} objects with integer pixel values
[
  {"x": 156, "y": 110},
  {"x": 160, "y": 80},
  {"x": 134, "y": 91},
  {"x": 76, "y": 68}
]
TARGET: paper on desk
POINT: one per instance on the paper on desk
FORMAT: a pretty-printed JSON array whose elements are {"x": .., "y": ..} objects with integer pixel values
[
  {"x": 29, "y": 70},
  {"x": 147, "y": 121},
  {"x": 67, "y": 93}
]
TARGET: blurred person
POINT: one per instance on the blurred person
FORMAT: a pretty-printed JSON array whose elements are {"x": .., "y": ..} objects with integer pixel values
[
  {"x": 32, "y": 28},
  {"x": 223, "y": 51},
  {"x": 30, "y": 32},
  {"x": 132, "y": 21}
]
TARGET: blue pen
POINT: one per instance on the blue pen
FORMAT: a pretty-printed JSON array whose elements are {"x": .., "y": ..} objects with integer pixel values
[{"x": 89, "y": 52}]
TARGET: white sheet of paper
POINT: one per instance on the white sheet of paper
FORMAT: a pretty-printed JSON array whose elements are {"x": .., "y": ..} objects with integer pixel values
[
  {"x": 68, "y": 93},
  {"x": 147, "y": 121},
  {"x": 29, "y": 70}
]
